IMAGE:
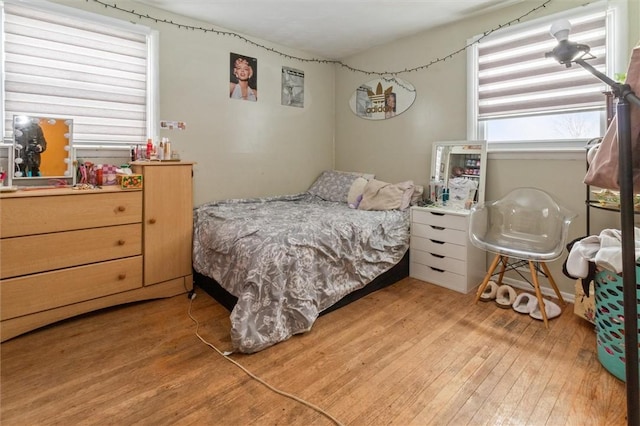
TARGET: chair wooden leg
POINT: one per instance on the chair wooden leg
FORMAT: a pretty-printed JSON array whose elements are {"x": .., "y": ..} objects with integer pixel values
[
  {"x": 536, "y": 286},
  {"x": 487, "y": 277},
  {"x": 552, "y": 282},
  {"x": 505, "y": 261}
]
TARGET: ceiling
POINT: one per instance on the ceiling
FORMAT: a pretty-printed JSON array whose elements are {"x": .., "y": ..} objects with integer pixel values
[{"x": 332, "y": 29}]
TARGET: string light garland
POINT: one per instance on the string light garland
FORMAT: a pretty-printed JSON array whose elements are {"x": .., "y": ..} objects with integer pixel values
[{"x": 323, "y": 61}]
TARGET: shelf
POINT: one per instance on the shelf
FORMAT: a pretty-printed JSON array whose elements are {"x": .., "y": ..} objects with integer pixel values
[{"x": 597, "y": 205}]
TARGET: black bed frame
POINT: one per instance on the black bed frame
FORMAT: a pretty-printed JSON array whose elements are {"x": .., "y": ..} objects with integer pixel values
[{"x": 226, "y": 299}]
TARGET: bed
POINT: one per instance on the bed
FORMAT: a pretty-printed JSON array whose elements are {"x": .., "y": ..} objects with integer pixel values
[{"x": 277, "y": 263}]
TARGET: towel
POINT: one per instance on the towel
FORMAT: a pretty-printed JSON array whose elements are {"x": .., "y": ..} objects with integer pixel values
[{"x": 605, "y": 250}]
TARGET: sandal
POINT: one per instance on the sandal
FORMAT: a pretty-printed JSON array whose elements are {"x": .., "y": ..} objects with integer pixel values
[
  {"x": 489, "y": 292},
  {"x": 525, "y": 303},
  {"x": 552, "y": 310},
  {"x": 505, "y": 296}
]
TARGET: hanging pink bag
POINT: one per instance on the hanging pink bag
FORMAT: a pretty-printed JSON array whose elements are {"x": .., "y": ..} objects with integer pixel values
[{"x": 603, "y": 169}]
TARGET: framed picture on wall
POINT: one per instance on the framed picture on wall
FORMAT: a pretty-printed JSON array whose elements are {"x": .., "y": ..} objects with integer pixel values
[
  {"x": 292, "y": 87},
  {"x": 243, "y": 77}
]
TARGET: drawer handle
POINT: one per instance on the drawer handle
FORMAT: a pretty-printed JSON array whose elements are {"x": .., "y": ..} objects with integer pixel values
[
  {"x": 122, "y": 276},
  {"x": 439, "y": 228},
  {"x": 120, "y": 242},
  {"x": 436, "y": 241},
  {"x": 437, "y": 214},
  {"x": 152, "y": 220},
  {"x": 437, "y": 255},
  {"x": 121, "y": 208},
  {"x": 436, "y": 269}
]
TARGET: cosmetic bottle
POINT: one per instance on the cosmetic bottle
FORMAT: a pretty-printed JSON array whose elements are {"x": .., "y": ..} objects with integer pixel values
[
  {"x": 161, "y": 150},
  {"x": 167, "y": 149},
  {"x": 99, "y": 175}
]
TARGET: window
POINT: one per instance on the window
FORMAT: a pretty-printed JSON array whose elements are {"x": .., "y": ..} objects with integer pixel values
[
  {"x": 63, "y": 62},
  {"x": 521, "y": 99}
]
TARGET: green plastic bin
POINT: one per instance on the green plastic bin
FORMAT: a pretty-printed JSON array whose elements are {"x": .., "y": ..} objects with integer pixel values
[{"x": 610, "y": 321}]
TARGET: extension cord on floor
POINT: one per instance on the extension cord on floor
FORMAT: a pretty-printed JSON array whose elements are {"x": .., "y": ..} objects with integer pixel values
[{"x": 225, "y": 355}]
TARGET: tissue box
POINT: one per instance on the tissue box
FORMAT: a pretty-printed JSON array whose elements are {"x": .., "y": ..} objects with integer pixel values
[{"x": 129, "y": 181}]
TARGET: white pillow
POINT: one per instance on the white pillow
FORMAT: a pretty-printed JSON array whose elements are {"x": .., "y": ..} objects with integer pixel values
[
  {"x": 379, "y": 195},
  {"x": 355, "y": 192}
]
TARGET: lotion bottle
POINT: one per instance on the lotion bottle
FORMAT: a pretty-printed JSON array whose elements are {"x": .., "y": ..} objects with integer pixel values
[
  {"x": 167, "y": 149},
  {"x": 161, "y": 150}
]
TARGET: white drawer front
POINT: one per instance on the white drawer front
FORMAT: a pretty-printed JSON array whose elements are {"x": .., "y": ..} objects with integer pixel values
[
  {"x": 446, "y": 235},
  {"x": 445, "y": 279},
  {"x": 439, "y": 247},
  {"x": 439, "y": 219},
  {"x": 439, "y": 262}
]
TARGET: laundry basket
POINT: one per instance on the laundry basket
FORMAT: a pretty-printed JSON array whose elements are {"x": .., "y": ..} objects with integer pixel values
[{"x": 610, "y": 321}]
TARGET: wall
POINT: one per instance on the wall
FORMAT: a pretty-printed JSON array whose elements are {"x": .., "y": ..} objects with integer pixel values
[
  {"x": 400, "y": 148},
  {"x": 246, "y": 149},
  {"x": 242, "y": 148}
]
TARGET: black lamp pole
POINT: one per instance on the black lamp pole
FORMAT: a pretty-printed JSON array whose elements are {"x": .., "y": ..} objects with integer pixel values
[
  {"x": 567, "y": 52},
  {"x": 624, "y": 95}
]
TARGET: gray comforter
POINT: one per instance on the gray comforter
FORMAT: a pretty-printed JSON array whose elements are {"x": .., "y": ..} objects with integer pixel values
[{"x": 288, "y": 258}]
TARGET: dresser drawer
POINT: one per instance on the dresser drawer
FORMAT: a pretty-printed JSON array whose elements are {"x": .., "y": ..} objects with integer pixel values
[
  {"x": 55, "y": 213},
  {"x": 445, "y": 220},
  {"x": 39, "y": 292},
  {"x": 440, "y": 262},
  {"x": 441, "y": 278},
  {"x": 437, "y": 233},
  {"x": 46, "y": 252},
  {"x": 438, "y": 247}
]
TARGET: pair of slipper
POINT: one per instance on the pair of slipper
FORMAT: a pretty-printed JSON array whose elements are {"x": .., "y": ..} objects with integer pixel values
[
  {"x": 524, "y": 303},
  {"x": 504, "y": 295},
  {"x": 527, "y": 303}
]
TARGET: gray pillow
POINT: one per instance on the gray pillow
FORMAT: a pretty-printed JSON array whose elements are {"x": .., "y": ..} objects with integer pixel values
[{"x": 333, "y": 185}]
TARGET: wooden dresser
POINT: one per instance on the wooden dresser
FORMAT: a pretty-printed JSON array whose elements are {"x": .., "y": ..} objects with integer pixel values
[{"x": 65, "y": 252}]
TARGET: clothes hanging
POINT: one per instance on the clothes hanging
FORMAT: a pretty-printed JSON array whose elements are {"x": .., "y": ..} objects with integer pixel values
[{"x": 603, "y": 170}]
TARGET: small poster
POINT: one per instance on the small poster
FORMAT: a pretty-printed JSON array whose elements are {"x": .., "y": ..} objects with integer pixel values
[
  {"x": 292, "y": 87},
  {"x": 243, "y": 78}
]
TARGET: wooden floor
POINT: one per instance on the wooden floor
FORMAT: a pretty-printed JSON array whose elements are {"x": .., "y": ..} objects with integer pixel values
[{"x": 413, "y": 353}]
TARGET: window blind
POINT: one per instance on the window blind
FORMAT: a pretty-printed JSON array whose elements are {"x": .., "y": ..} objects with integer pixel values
[
  {"x": 515, "y": 78},
  {"x": 62, "y": 66}
]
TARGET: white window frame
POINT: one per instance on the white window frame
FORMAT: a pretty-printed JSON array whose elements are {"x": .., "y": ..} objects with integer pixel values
[
  {"x": 615, "y": 62},
  {"x": 152, "y": 84}
]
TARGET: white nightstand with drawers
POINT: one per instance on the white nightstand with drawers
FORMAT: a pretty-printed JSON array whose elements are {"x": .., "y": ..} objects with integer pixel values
[{"x": 440, "y": 250}]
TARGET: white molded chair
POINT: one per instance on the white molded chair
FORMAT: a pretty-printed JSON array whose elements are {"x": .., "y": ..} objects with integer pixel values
[{"x": 526, "y": 226}]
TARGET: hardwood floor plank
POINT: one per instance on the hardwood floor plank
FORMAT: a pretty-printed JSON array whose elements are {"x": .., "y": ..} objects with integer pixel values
[
  {"x": 412, "y": 353},
  {"x": 545, "y": 369},
  {"x": 470, "y": 396},
  {"x": 530, "y": 363}
]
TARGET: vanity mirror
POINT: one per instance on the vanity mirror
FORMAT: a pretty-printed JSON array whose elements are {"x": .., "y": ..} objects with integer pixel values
[
  {"x": 42, "y": 147},
  {"x": 458, "y": 173}
]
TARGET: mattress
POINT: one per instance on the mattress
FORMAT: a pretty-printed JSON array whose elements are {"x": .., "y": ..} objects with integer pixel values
[{"x": 288, "y": 258}]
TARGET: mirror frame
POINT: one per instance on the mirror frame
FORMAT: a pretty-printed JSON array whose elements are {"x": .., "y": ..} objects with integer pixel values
[
  {"x": 6, "y": 159},
  {"x": 68, "y": 148},
  {"x": 441, "y": 167},
  {"x": 382, "y": 98}
]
